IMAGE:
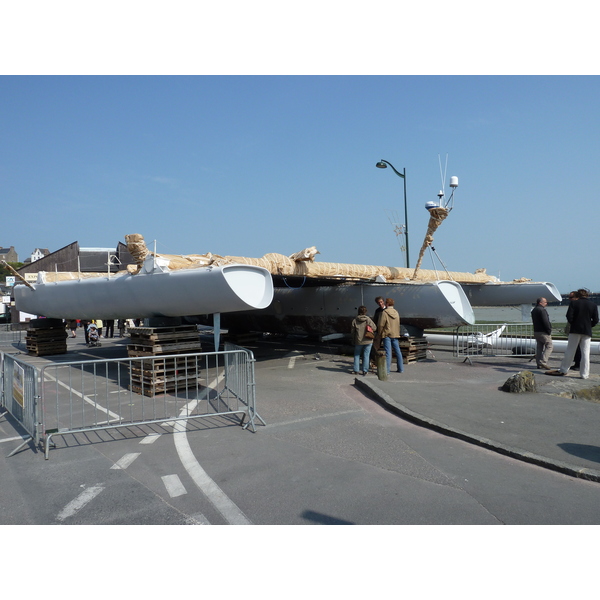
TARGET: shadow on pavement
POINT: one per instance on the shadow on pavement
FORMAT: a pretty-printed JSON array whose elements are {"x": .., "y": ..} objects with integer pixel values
[
  {"x": 322, "y": 519},
  {"x": 582, "y": 450}
]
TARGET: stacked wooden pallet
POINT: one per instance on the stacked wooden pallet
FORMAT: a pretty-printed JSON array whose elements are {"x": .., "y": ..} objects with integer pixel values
[
  {"x": 155, "y": 375},
  {"x": 153, "y": 341},
  {"x": 413, "y": 349},
  {"x": 45, "y": 337}
]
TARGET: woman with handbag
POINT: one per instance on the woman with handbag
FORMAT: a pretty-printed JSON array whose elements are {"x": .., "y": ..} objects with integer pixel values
[{"x": 363, "y": 331}]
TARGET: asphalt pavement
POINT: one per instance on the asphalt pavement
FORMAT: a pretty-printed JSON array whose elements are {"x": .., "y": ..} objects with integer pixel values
[{"x": 557, "y": 427}]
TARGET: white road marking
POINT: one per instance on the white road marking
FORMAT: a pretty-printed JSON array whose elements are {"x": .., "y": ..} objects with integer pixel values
[
  {"x": 197, "y": 519},
  {"x": 88, "y": 400},
  {"x": 13, "y": 439},
  {"x": 293, "y": 356},
  {"x": 312, "y": 418},
  {"x": 125, "y": 460},
  {"x": 174, "y": 485},
  {"x": 78, "y": 503},
  {"x": 231, "y": 513},
  {"x": 150, "y": 439}
]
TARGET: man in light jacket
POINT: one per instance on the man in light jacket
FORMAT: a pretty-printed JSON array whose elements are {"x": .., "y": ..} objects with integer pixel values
[{"x": 389, "y": 327}]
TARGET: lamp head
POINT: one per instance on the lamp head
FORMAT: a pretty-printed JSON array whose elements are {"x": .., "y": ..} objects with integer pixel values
[{"x": 381, "y": 165}]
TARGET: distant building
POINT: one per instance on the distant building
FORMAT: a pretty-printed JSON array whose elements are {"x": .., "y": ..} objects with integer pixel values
[
  {"x": 9, "y": 254},
  {"x": 85, "y": 260},
  {"x": 39, "y": 253}
]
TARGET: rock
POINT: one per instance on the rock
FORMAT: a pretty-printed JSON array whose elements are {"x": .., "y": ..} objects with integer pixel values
[
  {"x": 520, "y": 383},
  {"x": 591, "y": 394}
]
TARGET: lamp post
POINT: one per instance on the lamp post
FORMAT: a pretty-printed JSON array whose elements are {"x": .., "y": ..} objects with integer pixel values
[{"x": 382, "y": 164}]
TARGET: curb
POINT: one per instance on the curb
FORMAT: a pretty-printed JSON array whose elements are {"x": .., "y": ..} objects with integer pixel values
[{"x": 517, "y": 453}]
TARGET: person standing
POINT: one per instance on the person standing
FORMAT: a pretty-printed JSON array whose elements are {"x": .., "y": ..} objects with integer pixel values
[
  {"x": 84, "y": 325},
  {"x": 389, "y": 327},
  {"x": 121, "y": 327},
  {"x": 377, "y": 341},
  {"x": 110, "y": 328},
  {"x": 73, "y": 327},
  {"x": 99, "y": 324},
  {"x": 542, "y": 332},
  {"x": 362, "y": 341},
  {"x": 577, "y": 360},
  {"x": 582, "y": 316},
  {"x": 380, "y": 308}
]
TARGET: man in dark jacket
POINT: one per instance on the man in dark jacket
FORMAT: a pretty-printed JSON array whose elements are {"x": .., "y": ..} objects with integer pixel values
[
  {"x": 582, "y": 315},
  {"x": 542, "y": 332}
]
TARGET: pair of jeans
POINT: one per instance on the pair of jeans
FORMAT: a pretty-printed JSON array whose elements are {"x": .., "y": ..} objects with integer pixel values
[
  {"x": 362, "y": 351},
  {"x": 388, "y": 345}
]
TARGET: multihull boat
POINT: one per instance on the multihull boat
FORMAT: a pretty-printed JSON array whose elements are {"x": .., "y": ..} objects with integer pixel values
[{"x": 275, "y": 293}]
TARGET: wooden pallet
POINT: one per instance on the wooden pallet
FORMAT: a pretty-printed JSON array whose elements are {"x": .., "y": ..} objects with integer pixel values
[
  {"x": 157, "y": 338},
  {"x": 145, "y": 335},
  {"x": 157, "y": 387},
  {"x": 46, "y": 341},
  {"x": 158, "y": 363},
  {"x": 160, "y": 375},
  {"x": 46, "y": 335},
  {"x": 152, "y": 377},
  {"x": 152, "y": 341},
  {"x": 137, "y": 350},
  {"x": 413, "y": 349},
  {"x": 46, "y": 349}
]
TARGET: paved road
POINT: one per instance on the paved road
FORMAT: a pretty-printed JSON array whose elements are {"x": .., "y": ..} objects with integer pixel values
[{"x": 328, "y": 455}]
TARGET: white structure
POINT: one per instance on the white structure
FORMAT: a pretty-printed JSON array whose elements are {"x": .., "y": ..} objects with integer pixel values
[
  {"x": 39, "y": 253},
  {"x": 154, "y": 292}
]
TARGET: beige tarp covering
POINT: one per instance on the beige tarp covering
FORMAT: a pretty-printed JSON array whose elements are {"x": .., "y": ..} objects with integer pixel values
[
  {"x": 52, "y": 276},
  {"x": 300, "y": 264}
]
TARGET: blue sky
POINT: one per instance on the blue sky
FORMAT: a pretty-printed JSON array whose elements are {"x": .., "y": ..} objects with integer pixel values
[
  {"x": 246, "y": 165},
  {"x": 248, "y": 128}
]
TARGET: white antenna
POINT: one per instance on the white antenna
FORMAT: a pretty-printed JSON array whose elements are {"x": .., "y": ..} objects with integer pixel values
[
  {"x": 443, "y": 175},
  {"x": 448, "y": 204}
]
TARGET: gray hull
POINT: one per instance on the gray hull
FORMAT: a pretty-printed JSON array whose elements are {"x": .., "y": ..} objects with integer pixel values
[
  {"x": 325, "y": 310},
  {"x": 156, "y": 294},
  {"x": 510, "y": 294}
]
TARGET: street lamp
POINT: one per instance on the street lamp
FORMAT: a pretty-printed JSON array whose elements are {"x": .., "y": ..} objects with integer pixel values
[{"x": 382, "y": 164}]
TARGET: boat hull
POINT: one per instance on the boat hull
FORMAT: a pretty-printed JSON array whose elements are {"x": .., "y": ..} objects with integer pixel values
[
  {"x": 510, "y": 294},
  {"x": 325, "y": 310},
  {"x": 158, "y": 294}
]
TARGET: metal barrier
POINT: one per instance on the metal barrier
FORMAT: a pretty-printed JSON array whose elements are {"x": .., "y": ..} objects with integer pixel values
[
  {"x": 10, "y": 336},
  {"x": 493, "y": 340},
  {"x": 97, "y": 395},
  {"x": 18, "y": 395}
]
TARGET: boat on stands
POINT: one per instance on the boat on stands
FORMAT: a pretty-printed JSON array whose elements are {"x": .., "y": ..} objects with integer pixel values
[{"x": 276, "y": 293}]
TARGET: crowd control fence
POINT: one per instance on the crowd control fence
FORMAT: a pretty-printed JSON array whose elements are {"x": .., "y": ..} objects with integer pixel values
[
  {"x": 19, "y": 396},
  {"x": 95, "y": 395},
  {"x": 494, "y": 340},
  {"x": 10, "y": 336},
  {"x": 106, "y": 394}
]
